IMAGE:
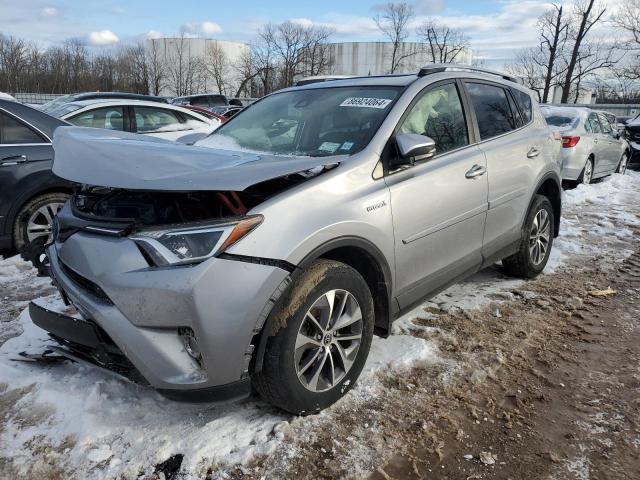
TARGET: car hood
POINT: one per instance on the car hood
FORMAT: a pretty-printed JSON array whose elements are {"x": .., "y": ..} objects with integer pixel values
[{"x": 136, "y": 162}]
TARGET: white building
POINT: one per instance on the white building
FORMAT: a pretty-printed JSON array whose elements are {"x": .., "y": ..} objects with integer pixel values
[
  {"x": 187, "y": 64},
  {"x": 374, "y": 58}
]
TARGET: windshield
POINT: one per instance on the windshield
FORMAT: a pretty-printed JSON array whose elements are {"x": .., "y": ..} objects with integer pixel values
[
  {"x": 55, "y": 103},
  {"x": 317, "y": 122},
  {"x": 561, "y": 118}
]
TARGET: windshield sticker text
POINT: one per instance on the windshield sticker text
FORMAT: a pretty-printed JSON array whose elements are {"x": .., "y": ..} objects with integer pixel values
[
  {"x": 329, "y": 147},
  {"x": 364, "y": 102}
]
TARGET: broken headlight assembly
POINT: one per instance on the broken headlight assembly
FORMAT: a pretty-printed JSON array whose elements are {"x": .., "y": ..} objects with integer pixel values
[{"x": 192, "y": 243}]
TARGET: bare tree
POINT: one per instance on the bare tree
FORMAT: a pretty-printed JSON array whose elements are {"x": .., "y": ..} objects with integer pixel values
[
  {"x": 155, "y": 68},
  {"x": 586, "y": 14},
  {"x": 526, "y": 66},
  {"x": 216, "y": 64},
  {"x": 394, "y": 24},
  {"x": 13, "y": 61},
  {"x": 184, "y": 70},
  {"x": 554, "y": 31},
  {"x": 443, "y": 43}
]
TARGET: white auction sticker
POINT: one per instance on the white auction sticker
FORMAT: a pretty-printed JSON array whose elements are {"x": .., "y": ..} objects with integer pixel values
[{"x": 365, "y": 102}]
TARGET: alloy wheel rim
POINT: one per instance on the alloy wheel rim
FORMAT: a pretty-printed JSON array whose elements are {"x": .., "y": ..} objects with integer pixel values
[
  {"x": 539, "y": 237},
  {"x": 40, "y": 223},
  {"x": 623, "y": 165},
  {"x": 328, "y": 340},
  {"x": 588, "y": 170}
]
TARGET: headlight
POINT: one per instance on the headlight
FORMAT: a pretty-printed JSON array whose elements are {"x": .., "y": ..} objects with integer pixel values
[{"x": 186, "y": 244}]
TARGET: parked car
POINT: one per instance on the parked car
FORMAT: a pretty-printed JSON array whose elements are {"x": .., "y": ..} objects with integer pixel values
[
  {"x": 226, "y": 112},
  {"x": 52, "y": 107},
  {"x": 592, "y": 147},
  {"x": 632, "y": 134},
  {"x": 207, "y": 100},
  {"x": 207, "y": 113},
  {"x": 6, "y": 96},
  {"x": 170, "y": 122},
  {"x": 30, "y": 194},
  {"x": 268, "y": 255},
  {"x": 319, "y": 78}
]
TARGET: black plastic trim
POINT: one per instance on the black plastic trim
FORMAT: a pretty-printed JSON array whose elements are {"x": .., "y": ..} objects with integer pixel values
[
  {"x": 272, "y": 262},
  {"x": 219, "y": 393}
]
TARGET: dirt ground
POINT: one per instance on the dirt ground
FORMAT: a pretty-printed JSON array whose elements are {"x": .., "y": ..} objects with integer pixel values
[{"x": 546, "y": 385}]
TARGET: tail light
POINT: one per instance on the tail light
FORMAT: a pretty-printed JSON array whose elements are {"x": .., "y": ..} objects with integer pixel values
[{"x": 569, "y": 142}]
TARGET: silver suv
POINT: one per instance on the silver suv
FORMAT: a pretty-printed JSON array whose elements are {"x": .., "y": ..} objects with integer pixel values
[{"x": 271, "y": 252}]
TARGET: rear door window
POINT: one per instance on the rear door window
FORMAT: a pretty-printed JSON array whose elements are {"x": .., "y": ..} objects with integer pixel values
[
  {"x": 13, "y": 131},
  {"x": 592, "y": 125},
  {"x": 157, "y": 120},
  {"x": 606, "y": 126},
  {"x": 111, "y": 118},
  {"x": 438, "y": 114},
  {"x": 492, "y": 109}
]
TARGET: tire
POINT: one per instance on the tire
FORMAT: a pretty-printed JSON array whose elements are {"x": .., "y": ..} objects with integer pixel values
[
  {"x": 622, "y": 166},
  {"x": 586, "y": 176},
  {"x": 297, "y": 379},
  {"x": 39, "y": 211},
  {"x": 525, "y": 263}
]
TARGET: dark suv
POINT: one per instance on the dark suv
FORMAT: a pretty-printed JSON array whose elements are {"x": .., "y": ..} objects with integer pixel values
[{"x": 203, "y": 101}]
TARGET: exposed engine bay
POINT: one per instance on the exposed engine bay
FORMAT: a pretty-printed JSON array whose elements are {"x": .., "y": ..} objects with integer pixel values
[{"x": 145, "y": 208}]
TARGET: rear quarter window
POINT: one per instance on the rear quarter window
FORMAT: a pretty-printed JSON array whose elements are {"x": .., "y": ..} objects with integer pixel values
[{"x": 525, "y": 104}]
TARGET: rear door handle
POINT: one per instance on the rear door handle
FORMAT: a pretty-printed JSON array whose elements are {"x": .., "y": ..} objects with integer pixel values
[
  {"x": 533, "y": 153},
  {"x": 12, "y": 160},
  {"x": 476, "y": 171}
]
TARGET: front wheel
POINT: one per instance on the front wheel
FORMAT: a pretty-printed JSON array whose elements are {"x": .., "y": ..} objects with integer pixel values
[
  {"x": 537, "y": 241},
  {"x": 622, "y": 166},
  {"x": 32, "y": 229},
  {"x": 319, "y": 340}
]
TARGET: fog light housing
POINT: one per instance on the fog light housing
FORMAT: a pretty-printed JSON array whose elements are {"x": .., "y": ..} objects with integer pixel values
[{"x": 190, "y": 343}]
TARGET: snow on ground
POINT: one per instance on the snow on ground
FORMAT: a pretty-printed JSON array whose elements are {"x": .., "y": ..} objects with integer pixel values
[{"x": 101, "y": 427}]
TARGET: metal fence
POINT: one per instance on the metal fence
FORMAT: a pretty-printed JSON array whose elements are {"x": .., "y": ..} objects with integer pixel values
[{"x": 36, "y": 98}]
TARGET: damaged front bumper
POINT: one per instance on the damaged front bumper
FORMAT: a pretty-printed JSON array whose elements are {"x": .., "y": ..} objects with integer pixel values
[{"x": 135, "y": 315}]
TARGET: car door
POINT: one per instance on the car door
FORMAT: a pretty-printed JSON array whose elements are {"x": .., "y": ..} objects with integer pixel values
[
  {"x": 165, "y": 123},
  {"x": 600, "y": 143},
  {"x": 611, "y": 145},
  {"x": 111, "y": 118},
  {"x": 23, "y": 150},
  {"x": 438, "y": 205},
  {"x": 515, "y": 154}
]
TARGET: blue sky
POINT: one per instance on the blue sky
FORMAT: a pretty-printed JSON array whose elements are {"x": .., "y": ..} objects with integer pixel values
[{"x": 496, "y": 27}]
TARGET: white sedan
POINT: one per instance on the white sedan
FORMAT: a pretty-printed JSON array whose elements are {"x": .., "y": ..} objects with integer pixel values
[{"x": 156, "y": 119}]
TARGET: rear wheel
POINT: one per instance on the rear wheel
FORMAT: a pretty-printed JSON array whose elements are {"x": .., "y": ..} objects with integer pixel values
[
  {"x": 32, "y": 229},
  {"x": 537, "y": 241},
  {"x": 586, "y": 176},
  {"x": 320, "y": 339},
  {"x": 622, "y": 166}
]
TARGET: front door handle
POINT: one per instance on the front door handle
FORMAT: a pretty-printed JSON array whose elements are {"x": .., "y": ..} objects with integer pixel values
[
  {"x": 476, "y": 171},
  {"x": 12, "y": 160},
  {"x": 533, "y": 153}
]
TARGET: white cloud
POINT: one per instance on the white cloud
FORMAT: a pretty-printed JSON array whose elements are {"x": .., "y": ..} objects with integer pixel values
[
  {"x": 304, "y": 22},
  {"x": 428, "y": 7},
  {"x": 49, "y": 12},
  {"x": 202, "y": 28},
  {"x": 152, "y": 34},
  {"x": 103, "y": 37}
]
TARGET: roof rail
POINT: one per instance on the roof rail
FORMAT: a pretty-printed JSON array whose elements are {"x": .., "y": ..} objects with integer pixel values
[{"x": 452, "y": 67}]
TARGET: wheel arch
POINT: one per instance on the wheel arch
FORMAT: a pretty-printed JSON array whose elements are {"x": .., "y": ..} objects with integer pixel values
[
  {"x": 25, "y": 199},
  {"x": 366, "y": 259},
  {"x": 550, "y": 187}
]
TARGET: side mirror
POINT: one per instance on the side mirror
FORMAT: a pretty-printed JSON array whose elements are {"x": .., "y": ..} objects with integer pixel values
[{"x": 413, "y": 148}]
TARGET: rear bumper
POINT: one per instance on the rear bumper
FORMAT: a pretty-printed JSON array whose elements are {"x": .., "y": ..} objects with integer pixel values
[{"x": 141, "y": 309}]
